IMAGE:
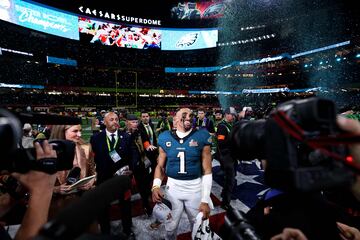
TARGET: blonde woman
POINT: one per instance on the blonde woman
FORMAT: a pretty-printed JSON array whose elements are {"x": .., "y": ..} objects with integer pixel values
[{"x": 83, "y": 159}]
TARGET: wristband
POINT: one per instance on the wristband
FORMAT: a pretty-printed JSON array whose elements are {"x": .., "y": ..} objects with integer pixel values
[
  {"x": 157, "y": 182},
  {"x": 206, "y": 188},
  {"x": 155, "y": 187}
]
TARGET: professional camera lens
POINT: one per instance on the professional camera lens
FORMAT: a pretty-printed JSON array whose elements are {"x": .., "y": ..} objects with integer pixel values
[{"x": 248, "y": 139}]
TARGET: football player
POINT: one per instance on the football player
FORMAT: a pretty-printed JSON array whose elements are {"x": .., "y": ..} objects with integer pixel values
[{"x": 185, "y": 158}]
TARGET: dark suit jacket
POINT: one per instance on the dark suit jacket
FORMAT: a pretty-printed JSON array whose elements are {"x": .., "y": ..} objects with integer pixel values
[
  {"x": 105, "y": 166},
  {"x": 144, "y": 136}
]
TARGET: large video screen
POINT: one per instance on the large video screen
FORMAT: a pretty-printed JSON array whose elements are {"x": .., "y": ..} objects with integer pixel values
[
  {"x": 119, "y": 35},
  {"x": 39, "y": 18},
  {"x": 198, "y": 10},
  {"x": 189, "y": 39}
]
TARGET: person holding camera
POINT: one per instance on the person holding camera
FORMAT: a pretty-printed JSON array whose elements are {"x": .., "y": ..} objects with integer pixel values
[
  {"x": 297, "y": 201},
  {"x": 40, "y": 187},
  {"x": 164, "y": 124},
  {"x": 185, "y": 158}
]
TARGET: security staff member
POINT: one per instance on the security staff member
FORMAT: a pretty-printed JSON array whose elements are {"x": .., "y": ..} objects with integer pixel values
[{"x": 227, "y": 163}]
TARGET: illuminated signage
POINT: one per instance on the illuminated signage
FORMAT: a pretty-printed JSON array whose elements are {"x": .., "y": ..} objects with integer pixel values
[
  {"x": 117, "y": 17},
  {"x": 198, "y": 10},
  {"x": 7, "y": 85},
  {"x": 61, "y": 61},
  {"x": 40, "y": 18},
  {"x": 269, "y": 90},
  {"x": 111, "y": 34},
  {"x": 189, "y": 39}
]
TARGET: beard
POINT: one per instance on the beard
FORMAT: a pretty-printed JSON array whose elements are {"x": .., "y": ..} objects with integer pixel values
[{"x": 187, "y": 125}]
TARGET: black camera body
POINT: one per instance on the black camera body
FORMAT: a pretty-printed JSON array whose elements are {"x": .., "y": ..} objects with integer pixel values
[
  {"x": 13, "y": 158},
  {"x": 237, "y": 227},
  {"x": 292, "y": 164},
  {"x": 23, "y": 160}
]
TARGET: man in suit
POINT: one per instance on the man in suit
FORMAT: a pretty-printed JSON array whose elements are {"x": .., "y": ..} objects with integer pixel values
[
  {"x": 149, "y": 138},
  {"x": 142, "y": 167},
  {"x": 113, "y": 156}
]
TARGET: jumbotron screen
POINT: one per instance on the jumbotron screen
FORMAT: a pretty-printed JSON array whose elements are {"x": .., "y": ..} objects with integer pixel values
[
  {"x": 198, "y": 10},
  {"x": 39, "y": 18},
  {"x": 189, "y": 39},
  {"x": 111, "y": 34}
]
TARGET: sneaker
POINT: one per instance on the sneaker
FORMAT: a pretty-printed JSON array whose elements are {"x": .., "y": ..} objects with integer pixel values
[{"x": 155, "y": 225}]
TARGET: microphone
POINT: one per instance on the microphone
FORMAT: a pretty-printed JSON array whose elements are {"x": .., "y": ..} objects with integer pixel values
[
  {"x": 75, "y": 218},
  {"x": 73, "y": 176}
]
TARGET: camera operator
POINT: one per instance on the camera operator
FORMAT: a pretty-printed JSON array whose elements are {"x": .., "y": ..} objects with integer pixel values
[
  {"x": 346, "y": 232},
  {"x": 164, "y": 124},
  {"x": 311, "y": 215},
  {"x": 40, "y": 187}
]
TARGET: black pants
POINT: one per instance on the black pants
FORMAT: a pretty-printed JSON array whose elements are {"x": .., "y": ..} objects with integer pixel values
[
  {"x": 228, "y": 165},
  {"x": 143, "y": 182},
  {"x": 152, "y": 155},
  {"x": 126, "y": 217}
]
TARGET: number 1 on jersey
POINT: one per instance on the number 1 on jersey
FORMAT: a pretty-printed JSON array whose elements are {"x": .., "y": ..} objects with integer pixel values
[{"x": 181, "y": 155}]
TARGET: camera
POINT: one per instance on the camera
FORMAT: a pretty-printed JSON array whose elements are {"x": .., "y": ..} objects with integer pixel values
[
  {"x": 237, "y": 227},
  {"x": 16, "y": 159},
  {"x": 299, "y": 143}
]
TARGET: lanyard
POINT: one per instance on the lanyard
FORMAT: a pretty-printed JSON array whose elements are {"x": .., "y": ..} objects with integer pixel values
[{"x": 108, "y": 143}]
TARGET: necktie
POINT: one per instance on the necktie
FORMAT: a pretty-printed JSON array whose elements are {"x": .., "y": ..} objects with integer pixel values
[
  {"x": 149, "y": 132},
  {"x": 112, "y": 140}
]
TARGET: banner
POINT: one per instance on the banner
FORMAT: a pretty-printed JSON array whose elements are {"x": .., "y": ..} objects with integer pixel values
[{"x": 39, "y": 18}]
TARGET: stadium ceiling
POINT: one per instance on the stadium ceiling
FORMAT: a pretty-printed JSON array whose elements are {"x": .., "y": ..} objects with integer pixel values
[
  {"x": 144, "y": 9},
  {"x": 249, "y": 11}
]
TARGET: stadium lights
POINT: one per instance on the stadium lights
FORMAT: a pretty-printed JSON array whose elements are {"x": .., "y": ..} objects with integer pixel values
[
  {"x": 357, "y": 55},
  {"x": 259, "y": 38}
]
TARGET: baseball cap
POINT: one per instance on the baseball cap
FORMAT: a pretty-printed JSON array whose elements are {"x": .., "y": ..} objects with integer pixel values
[
  {"x": 247, "y": 109},
  {"x": 230, "y": 110},
  {"x": 131, "y": 117},
  {"x": 27, "y": 126},
  {"x": 162, "y": 210}
]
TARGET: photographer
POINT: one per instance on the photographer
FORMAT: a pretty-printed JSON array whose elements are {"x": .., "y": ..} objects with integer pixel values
[
  {"x": 40, "y": 186},
  {"x": 346, "y": 232},
  {"x": 164, "y": 124},
  {"x": 306, "y": 153}
]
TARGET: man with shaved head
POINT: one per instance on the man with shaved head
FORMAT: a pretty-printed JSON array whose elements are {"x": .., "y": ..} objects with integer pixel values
[
  {"x": 185, "y": 158},
  {"x": 113, "y": 152}
]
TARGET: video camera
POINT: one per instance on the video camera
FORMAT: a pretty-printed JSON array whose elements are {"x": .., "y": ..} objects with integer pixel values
[
  {"x": 237, "y": 227},
  {"x": 300, "y": 142},
  {"x": 16, "y": 159}
]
